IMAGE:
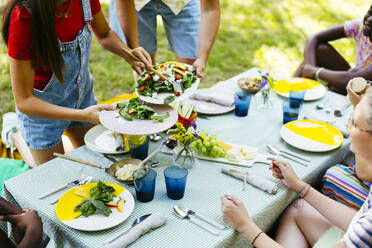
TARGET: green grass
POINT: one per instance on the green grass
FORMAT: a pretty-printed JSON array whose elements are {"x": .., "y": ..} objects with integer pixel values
[{"x": 265, "y": 33}]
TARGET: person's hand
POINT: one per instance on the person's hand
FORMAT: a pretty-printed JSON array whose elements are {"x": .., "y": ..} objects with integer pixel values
[
  {"x": 26, "y": 222},
  {"x": 199, "y": 65},
  {"x": 309, "y": 71},
  {"x": 284, "y": 171},
  {"x": 234, "y": 212},
  {"x": 144, "y": 62},
  {"x": 91, "y": 113},
  {"x": 353, "y": 96}
]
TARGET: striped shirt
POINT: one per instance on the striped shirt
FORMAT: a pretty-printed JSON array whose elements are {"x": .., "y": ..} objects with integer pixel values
[{"x": 359, "y": 233}]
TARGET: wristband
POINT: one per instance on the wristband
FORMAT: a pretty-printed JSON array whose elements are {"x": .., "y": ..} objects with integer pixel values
[
  {"x": 307, "y": 191},
  {"x": 255, "y": 238},
  {"x": 317, "y": 73}
]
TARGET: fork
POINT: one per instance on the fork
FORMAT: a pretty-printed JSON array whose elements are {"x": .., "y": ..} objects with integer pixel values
[{"x": 76, "y": 182}]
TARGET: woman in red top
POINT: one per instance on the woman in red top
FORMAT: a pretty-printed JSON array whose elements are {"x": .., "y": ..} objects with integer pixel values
[{"x": 49, "y": 45}]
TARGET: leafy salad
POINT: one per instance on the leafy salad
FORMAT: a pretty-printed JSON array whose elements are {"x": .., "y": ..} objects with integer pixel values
[
  {"x": 149, "y": 84},
  {"x": 134, "y": 109},
  {"x": 101, "y": 198}
]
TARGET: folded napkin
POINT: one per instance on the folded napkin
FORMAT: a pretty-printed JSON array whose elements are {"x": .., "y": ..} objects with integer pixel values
[
  {"x": 257, "y": 181},
  {"x": 219, "y": 97},
  {"x": 152, "y": 222}
]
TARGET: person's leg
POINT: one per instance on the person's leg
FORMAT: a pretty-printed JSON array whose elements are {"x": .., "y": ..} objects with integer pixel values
[
  {"x": 23, "y": 149},
  {"x": 44, "y": 155},
  {"x": 301, "y": 226},
  {"x": 327, "y": 57},
  {"x": 76, "y": 135}
]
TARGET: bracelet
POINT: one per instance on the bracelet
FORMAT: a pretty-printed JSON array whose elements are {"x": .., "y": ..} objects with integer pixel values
[
  {"x": 255, "y": 238},
  {"x": 307, "y": 191},
  {"x": 298, "y": 196},
  {"x": 317, "y": 73}
]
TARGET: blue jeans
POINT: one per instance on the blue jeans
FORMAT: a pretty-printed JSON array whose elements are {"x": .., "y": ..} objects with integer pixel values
[
  {"x": 182, "y": 30},
  {"x": 76, "y": 92}
]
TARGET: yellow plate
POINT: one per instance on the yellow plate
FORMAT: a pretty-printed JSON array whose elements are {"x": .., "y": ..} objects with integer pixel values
[
  {"x": 312, "y": 135},
  {"x": 314, "y": 89},
  {"x": 65, "y": 209}
]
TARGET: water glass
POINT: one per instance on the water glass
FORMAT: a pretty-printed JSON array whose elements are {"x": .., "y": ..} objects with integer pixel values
[
  {"x": 296, "y": 98},
  {"x": 290, "y": 113},
  {"x": 144, "y": 182},
  {"x": 140, "y": 149},
  {"x": 175, "y": 181},
  {"x": 242, "y": 102}
]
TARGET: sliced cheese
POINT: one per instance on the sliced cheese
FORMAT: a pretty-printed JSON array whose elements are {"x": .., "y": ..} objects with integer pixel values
[{"x": 225, "y": 146}]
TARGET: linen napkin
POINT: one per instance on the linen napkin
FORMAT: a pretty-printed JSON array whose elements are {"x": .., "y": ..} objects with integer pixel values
[
  {"x": 152, "y": 222},
  {"x": 218, "y": 97},
  {"x": 257, "y": 181}
]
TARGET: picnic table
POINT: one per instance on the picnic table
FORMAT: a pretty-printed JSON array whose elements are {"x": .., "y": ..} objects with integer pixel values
[{"x": 204, "y": 187}]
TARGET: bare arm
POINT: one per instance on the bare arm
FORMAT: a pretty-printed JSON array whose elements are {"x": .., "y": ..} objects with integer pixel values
[
  {"x": 111, "y": 41},
  {"x": 325, "y": 36},
  {"x": 341, "y": 78},
  {"x": 7, "y": 208},
  {"x": 209, "y": 25},
  {"x": 22, "y": 78},
  {"x": 127, "y": 16}
]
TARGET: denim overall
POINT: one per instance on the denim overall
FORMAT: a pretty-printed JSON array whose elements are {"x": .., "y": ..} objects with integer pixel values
[{"x": 76, "y": 92}]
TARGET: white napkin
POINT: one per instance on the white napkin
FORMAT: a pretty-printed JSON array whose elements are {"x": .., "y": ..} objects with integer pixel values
[
  {"x": 219, "y": 97},
  {"x": 257, "y": 181},
  {"x": 152, "y": 222}
]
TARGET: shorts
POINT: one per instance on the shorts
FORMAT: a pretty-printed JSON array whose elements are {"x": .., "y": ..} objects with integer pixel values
[{"x": 182, "y": 30}]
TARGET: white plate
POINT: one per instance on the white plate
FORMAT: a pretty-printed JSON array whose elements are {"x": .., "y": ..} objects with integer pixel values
[
  {"x": 311, "y": 94},
  {"x": 211, "y": 108},
  {"x": 113, "y": 121},
  {"x": 301, "y": 142},
  {"x": 99, "y": 222},
  {"x": 159, "y": 98},
  {"x": 100, "y": 139}
]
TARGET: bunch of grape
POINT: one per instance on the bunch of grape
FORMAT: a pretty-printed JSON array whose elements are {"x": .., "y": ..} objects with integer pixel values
[{"x": 208, "y": 145}]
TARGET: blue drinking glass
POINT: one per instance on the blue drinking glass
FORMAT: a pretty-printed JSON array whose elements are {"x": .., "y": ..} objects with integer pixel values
[
  {"x": 296, "y": 98},
  {"x": 175, "y": 181},
  {"x": 242, "y": 102},
  {"x": 139, "y": 151},
  {"x": 289, "y": 113},
  {"x": 144, "y": 182}
]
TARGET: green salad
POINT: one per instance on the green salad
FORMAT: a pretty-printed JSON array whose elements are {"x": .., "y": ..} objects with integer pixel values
[
  {"x": 149, "y": 84},
  {"x": 134, "y": 109},
  {"x": 101, "y": 194}
]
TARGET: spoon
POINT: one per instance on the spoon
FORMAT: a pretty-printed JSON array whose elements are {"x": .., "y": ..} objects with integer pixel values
[
  {"x": 135, "y": 222},
  {"x": 182, "y": 214},
  {"x": 202, "y": 217},
  {"x": 322, "y": 104}
]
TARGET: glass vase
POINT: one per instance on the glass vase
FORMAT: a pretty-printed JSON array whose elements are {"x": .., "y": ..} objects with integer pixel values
[{"x": 185, "y": 156}]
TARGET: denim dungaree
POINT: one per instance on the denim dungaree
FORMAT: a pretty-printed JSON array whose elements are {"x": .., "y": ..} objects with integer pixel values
[{"x": 76, "y": 93}]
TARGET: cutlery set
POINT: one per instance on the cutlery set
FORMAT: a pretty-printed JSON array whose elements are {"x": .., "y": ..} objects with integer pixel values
[
  {"x": 288, "y": 155},
  {"x": 198, "y": 219}
]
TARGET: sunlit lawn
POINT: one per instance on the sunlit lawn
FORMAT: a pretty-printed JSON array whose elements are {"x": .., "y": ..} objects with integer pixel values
[{"x": 266, "y": 33}]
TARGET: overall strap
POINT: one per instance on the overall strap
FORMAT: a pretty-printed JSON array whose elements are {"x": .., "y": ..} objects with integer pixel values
[{"x": 86, "y": 11}]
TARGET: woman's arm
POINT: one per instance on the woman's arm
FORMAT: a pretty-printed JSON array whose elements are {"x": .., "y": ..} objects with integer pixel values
[
  {"x": 127, "y": 16},
  {"x": 22, "y": 78},
  {"x": 111, "y": 41},
  {"x": 209, "y": 25},
  {"x": 7, "y": 208},
  {"x": 337, "y": 213},
  {"x": 325, "y": 36}
]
